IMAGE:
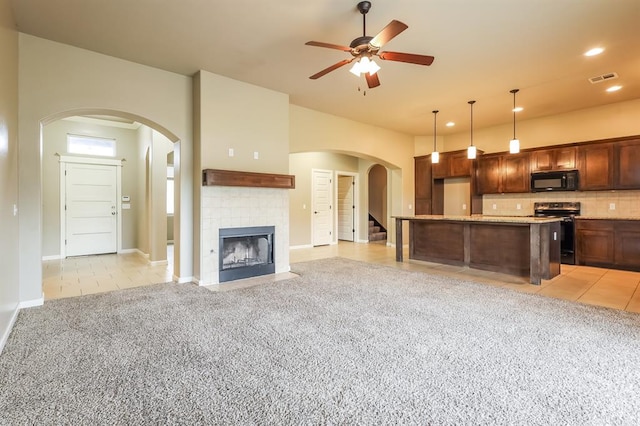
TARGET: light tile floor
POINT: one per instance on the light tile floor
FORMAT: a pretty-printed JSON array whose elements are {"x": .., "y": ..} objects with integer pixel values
[{"x": 93, "y": 274}]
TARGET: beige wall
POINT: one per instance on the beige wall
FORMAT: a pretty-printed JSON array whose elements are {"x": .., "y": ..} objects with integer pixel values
[
  {"x": 607, "y": 121},
  {"x": 83, "y": 81},
  {"x": 160, "y": 147},
  {"x": 9, "y": 244},
  {"x": 313, "y": 131},
  {"x": 54, "y": 140}
]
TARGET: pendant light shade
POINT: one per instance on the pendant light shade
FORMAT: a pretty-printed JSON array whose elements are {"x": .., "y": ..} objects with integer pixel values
[
  {"x": 435, "y": 155},
  {"x": 514, "y": 144},
  {"x": 471, "y": 150}
]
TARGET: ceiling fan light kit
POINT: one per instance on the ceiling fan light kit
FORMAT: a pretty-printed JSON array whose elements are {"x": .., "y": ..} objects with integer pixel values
[
  {"x": 364, "y": 48},
  {"x": 514, "y": 144}
]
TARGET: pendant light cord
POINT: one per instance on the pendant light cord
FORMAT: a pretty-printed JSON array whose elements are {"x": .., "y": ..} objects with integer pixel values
[
  {"x": 514, "y": 91},
  {"x": 471, "y": 103},
  {"x": 435, "y": 114}
]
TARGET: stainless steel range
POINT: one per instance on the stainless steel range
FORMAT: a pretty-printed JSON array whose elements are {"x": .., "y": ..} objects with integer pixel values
[{"x": 566, "y": 211}]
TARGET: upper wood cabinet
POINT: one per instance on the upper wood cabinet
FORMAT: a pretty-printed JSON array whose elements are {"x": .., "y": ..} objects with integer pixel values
[
  {"x": 553, "y": 159},
  {"x": 440, "y": 170},
  {"x": 627, "y": 164},
  {"x": 595, "y": 163},
  {"x": 489, "y": 174},
  {"x": 503, "y": 173},
  {"x": 516, "y": 172},
  {"x": 460, "y": 165}
]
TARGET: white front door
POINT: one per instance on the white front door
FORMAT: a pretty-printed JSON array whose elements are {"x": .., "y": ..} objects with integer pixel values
[
  {"x": 91, "y": 209},
  {"x": 322, "y": 221},
  {"x": 346, "y": 207}
]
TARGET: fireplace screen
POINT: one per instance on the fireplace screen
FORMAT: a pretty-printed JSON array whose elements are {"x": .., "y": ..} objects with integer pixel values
[{"x": 246, "y": 252}]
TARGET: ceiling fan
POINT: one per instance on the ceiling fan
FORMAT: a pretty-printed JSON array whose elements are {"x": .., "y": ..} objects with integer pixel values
[{"x": 364, "y": 48}]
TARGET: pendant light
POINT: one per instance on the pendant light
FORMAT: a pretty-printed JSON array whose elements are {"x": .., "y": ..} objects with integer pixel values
[
  {"x": 471, "y": 150},
  {"x": 435, "y": 155},
  {"x": 514, "y": 145}
]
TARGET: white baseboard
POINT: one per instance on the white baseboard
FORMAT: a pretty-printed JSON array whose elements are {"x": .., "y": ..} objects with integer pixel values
[
  {"x": 7, "y": 331},
  {"x": 131, "y": 250},
  {"x": 300, "y": 247},
  {"x": 54, "y": 257},
  {"x": 183, "y": 280},
  {"x": 31, "y": 303},
  {"x": 158, "y": 262},
  {"x": 362, "y": 241}
]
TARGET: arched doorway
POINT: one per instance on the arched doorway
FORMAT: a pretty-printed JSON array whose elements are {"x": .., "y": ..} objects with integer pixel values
[
  {"x": 141, "y": 205},
  {"x": 378, "y": 204}
]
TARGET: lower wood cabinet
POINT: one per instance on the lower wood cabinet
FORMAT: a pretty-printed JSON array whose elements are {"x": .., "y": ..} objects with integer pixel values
[{"x": 608, "y": 243}]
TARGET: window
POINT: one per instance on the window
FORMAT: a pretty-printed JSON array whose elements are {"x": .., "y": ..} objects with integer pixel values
[
  {"x": 91, "y": 145},
  {"x": 170, "y": 175}
]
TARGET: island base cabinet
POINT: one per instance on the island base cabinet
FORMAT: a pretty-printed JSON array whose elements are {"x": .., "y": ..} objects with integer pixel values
[
  {"x": 500, "y": 248},
  {"x": 517, "y": 248}
]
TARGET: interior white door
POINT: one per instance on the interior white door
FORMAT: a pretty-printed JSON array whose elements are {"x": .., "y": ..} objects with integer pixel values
[
  {"x": 322, "y": 221},
  {"x": 346, "y": 207},
  {"x": 91, "y": 200}
]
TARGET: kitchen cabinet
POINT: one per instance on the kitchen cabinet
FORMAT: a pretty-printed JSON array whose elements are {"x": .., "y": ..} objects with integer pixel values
[
  {"x": 627, "y": 164},
  {"x": 440, "y": 170},
  {"x": 610, "y": 243},
  {"x": 489, "y": 174},
  {"x": 594, "y": 242},
  {"x": 423, "y": 182},
  {"x": 543, "y": 160},
  {"x": 516, "y": 175},
  {"x": 460, "y": 165},
  {"x": 595, "y": 163},
  {"x": 508, "y": 173}
]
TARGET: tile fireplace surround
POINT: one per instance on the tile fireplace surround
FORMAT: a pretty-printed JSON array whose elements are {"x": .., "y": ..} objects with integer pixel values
[{"x": 232, "y": 207}]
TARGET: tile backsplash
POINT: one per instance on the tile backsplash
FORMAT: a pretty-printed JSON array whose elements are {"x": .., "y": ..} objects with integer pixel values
[{"x": 605, "y": 204}]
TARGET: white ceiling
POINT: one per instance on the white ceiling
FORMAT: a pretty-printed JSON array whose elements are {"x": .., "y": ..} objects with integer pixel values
[{"x": 482, "y": 50}]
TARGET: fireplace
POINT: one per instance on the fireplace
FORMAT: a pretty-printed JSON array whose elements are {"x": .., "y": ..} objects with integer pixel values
[{"x": 246, "y": 252}]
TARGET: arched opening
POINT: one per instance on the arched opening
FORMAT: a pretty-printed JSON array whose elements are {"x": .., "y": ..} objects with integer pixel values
[
  {"x": 142, "y": 254},
  {"x": 378, "y": 204}
]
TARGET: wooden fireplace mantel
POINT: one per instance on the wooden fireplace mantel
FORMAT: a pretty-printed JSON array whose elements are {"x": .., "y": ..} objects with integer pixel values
[{"x": 213, "y": 177}]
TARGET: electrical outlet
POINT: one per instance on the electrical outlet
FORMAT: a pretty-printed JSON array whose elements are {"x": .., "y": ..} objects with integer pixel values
[
  {"x": 410, "y": 206},
  {"x": 495, "y": 207},
  {"x": 231, "y": 153},
  {"x": 518, "y": 206},
  {"x": 464, "y": 206},
  {"x": 256, "y": 155},
  {"x": 612, "y": 206}
]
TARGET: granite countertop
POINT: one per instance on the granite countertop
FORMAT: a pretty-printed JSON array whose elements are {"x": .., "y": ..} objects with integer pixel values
[{"x": 483, "y": 218}]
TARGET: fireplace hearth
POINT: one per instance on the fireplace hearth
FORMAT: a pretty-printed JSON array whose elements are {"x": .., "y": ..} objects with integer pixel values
[{"x": 246, "y": 252}]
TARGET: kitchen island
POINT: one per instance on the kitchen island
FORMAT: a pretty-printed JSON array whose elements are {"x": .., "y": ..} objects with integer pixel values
[{"x": 521, "y": 246}]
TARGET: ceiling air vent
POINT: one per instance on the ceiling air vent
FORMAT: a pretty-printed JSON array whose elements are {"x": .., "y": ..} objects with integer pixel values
[{"x": 603, "y": 77}]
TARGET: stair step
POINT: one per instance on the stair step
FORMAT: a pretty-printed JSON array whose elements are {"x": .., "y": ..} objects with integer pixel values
[
  {"x": 374, "y": 229},
  {"x": 377, "y": 236}
]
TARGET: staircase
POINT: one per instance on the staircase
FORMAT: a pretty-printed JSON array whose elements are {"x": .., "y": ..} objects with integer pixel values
[{"x": 377, "y": 233}]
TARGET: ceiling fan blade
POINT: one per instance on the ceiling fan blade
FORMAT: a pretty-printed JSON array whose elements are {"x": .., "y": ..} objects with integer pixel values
[
  {"x": 331, "y": 68},
  {"x": 406, "y": 57},
  {"x": 328, "y": 45},
  {"x": 390, "y": 31},
  {"x": 372, "y": 80}
]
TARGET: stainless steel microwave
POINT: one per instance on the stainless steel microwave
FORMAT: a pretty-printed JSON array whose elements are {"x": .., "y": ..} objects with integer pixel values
[{"x": 565, "y": 180}]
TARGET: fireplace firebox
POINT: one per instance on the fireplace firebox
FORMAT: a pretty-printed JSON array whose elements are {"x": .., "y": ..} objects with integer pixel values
[{"x": 246, "y": 252}]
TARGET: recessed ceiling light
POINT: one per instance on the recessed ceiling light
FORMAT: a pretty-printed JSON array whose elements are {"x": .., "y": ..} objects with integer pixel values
[
  {"x": 614, "y": 88},
  {"x": 593, "y": 52},
  {"x": 451, "y": 124},
  {"x": 517, "y": 109}
]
